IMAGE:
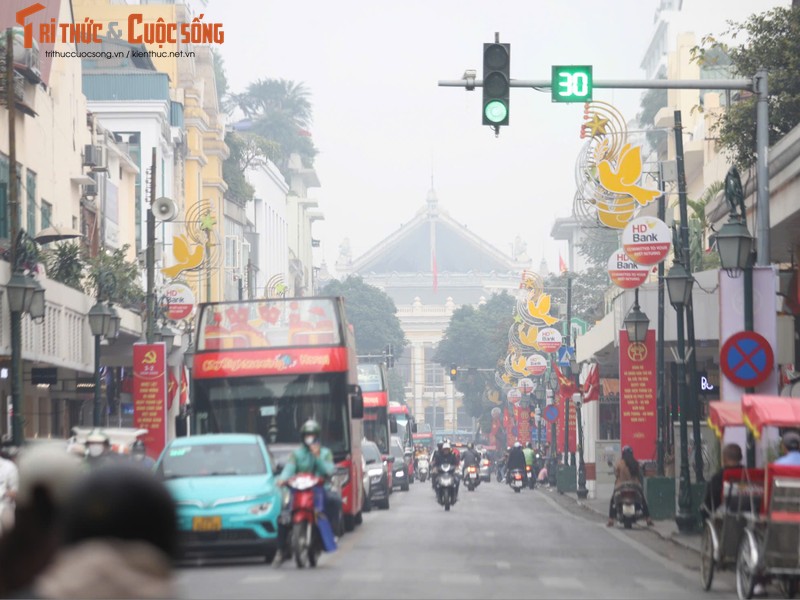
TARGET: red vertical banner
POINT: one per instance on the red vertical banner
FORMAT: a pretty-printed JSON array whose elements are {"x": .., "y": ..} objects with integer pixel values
[
  {"x": 172, "y": 388},
  {"x": 184, "y": 393},
  {"x": 637, "y": 395},
  {"x": 150, "y": 395},
  {"x": 523, "y": 418},
  {"x": 573, "y": 424}
]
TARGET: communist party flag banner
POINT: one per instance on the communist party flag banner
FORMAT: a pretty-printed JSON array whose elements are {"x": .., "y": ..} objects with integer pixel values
[
  {"x": 566, "y": 387},
  {"x": 637, "y": 395},
  {"x": 150, "y": 395}
]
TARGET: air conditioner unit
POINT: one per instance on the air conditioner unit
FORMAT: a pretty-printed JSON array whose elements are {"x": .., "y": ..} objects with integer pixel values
[
  {"x": 90, "y": 190},
  {"x": 102, "y": 161},
  {"x": 91, "y": 155}
]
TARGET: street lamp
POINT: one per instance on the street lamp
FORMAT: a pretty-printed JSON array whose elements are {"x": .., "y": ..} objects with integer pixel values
[
  {"x": 112, "y": 332},
  {"x": 636, "y": 322},
  {"x": 100, "y": 317},
  {"x": 167, "y": 335},
  {"x": 735, "y": 245},
  {"x": 679, "y": 288},
  {"x": 25, "y": 295}
]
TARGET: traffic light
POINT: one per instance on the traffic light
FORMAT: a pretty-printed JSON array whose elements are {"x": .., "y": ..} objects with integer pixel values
[
  {"x": 453, "y": 371},
  {"x": 496, "y": 78}
]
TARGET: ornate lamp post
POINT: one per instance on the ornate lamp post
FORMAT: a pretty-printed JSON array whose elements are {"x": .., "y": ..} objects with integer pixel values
[
  {"x": 103, "y": 321},
  {"x": 735, "y": 245},
  {"x": 25, "y": 295},
  {"x": 679, "y": 288}
]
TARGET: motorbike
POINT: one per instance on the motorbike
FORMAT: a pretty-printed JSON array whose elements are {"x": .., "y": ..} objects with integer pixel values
[
  {"x": 628, "y": 503},
  {"x": 516, "y": 479},
  {"x": 422, "y": 469},
  {"x": 486, "y": 470},
  {"x": 310, "y": 532},
  {"x": 531, "y": 476},
  {"x": 472, "y": 477},
  {"x": 446, "y": 486}
]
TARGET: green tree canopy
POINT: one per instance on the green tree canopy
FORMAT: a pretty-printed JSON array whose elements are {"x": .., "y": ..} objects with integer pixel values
[
  {"x": 372, "y": 313},
  {"x": 476, "y": 338},
  {"x": 770, "y": 40}
]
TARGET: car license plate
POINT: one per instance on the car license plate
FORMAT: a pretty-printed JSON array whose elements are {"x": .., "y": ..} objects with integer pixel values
[
  {"x": 628, "y": 510},
  {"x": 206, "y": 523},
  {"x": 517, "y": 483}
]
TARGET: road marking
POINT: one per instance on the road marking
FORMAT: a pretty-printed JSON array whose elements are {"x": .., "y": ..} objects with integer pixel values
[
  {"x": 364, "y": 577},
  {"x": 267, "y": 578},
  {"x": 567, "y": 583},
  {"x": 503, "y": 565},
  {"x": 460, "y": 578}
]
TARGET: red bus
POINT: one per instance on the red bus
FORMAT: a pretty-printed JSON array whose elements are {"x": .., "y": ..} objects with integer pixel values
[
  {"x": 267, "y": 366},
  {"x": 405, "y": 422},
  {"x": 377, "y": 424},
  {"x": 424, "y": 437}
]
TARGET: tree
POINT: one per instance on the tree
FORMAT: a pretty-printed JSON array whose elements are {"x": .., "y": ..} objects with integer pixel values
[
  {"x": 588, "y": 292},
  {"x": 247, "y": 151},
  {"x": 126, "y": 290},
  {"x": 65, "y": 265},
  {"x": 372, "y": 313},
  {"x": 280, "y": 111},
  {"x": 701, "y": 260},
  {"x": 476, "y": 338},
  {"x": 597, "y": 247},
  {"x": 771, "y": 42},
  {"x": 397, "y": 387}
]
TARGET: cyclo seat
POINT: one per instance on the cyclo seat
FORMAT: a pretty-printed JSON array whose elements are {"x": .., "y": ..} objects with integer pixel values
[{"x": 742, "y": 490}]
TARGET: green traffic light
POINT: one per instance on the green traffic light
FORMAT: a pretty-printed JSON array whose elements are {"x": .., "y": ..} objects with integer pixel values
[{"x": 496, "y": 111}]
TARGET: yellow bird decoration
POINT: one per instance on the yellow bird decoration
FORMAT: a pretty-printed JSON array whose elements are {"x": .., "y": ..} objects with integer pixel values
[
  {"x": 186, "y": 260},
  {"x": 623, "y": 179},
  {"x": 614, "y": 216},
  {"x": 528, "y": 337},
  {"x": 506, "y": 378},
  {"x": 539, "y": 310},
  {"x": 519, "y": 365}
]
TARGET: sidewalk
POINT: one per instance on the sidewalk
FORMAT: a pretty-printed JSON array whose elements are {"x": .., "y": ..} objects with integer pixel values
[{"x": 667, "y": 530}]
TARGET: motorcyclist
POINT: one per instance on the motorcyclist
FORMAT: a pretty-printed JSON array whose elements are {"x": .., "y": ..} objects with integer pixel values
[
  {"x": 530, "y": 455},
  {"x": 445, "y": 456},
  {"x": 470, "y": 458},
  {"x": 502, "y": 463},
  {"x": 139, "y": 456},
  {"x": 627, "y": 472},
  {"x": 432, "y": 461},
  {"x": 98, "y": 449},
  {"x": 311, "y": 457},
  {"x": 516, "y": 460}
]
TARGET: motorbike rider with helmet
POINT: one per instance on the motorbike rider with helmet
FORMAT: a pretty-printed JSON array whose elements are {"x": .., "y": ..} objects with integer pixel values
[
  {"x": 516, "y": 460},
  {"x": 139, "y": 456},
  {"x": 314, "y": 458},
  {"x": 471, "y": 457},
  {"x": 445, "y": 456},
  {"x": 627, "y": 472},
  {"x": 98, "y": 449},
  {"x": 433, "y": 459}
]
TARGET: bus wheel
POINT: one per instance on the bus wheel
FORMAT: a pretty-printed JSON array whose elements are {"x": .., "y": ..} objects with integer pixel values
[{"x": 349, "y": 522}]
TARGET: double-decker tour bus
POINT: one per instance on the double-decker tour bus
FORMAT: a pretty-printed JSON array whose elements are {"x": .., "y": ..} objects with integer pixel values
[
  {"x": 267, "y": 366},
  {"x": 405, "y": 422},
  {"x": 378, "y": 426}
]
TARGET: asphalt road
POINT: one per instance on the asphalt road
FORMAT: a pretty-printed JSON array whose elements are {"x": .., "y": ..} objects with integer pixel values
[{"x": 492, "y": 544}]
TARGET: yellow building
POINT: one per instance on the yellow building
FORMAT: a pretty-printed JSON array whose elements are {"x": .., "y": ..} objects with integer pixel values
[{"x": 199, "y": 185}]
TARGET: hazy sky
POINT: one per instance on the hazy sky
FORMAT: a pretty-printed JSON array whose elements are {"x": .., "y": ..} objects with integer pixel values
[{"x": 383, "y": 126}]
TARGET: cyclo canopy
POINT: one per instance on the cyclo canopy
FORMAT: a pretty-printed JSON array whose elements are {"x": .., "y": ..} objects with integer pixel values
[{"x": 774, "y": 411}]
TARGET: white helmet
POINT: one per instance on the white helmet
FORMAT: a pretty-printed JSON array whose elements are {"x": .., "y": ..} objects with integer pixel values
[
  {"x": 446, "y": 446},
  {"x": 517, "y": 445}
]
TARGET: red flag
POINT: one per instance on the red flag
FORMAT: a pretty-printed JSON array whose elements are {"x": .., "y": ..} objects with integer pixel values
[
  {"x": 566, "y": 387},
  {"x": 172, "y": 388},
  {"x": 562, "y": 266},
  {"x": 591, "y": 387},
  {"x": 435, "y": 271},
  {"x": 184, "y": 394}
]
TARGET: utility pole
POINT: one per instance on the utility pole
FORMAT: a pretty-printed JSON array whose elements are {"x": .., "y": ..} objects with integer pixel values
[{"x": 150, "y": 255}]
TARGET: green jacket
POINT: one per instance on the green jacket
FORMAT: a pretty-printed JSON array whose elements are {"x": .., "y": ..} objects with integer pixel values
[
  {"x": 302, "y": 461},
  {"x": 529, "y": 456}
]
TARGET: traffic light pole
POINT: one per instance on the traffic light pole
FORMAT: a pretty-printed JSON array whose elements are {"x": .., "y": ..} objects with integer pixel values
[{"x": 757, "y": 85}]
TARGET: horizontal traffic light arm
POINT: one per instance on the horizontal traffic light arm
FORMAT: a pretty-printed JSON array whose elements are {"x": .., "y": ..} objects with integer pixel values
[{"x": 641, "y": 84}]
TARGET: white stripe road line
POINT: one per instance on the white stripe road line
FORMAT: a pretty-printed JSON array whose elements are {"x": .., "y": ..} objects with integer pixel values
[
  {"x": 267, "y": 578},
  {"x": 460, "y": 578},
  {"x": 565, "y": 583},
  {"x": 503, "y": 565}
]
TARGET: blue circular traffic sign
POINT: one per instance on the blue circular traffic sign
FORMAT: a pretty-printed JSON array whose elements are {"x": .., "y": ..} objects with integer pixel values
[
  {"x": 747, "y": 359},
  {"x": 550, "y": 413}
]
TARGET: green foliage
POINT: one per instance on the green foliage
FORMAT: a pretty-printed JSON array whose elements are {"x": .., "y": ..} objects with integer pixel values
[
  {"x": 280, "y": 111},
  {"x": 247, "y": 150},
  {"x": 598, "y": 247},
  {"x": 397, "y": 390},
  {"x": 771, "y": 40},
  {"x": 476, "y": 338},
  {"x": 701, "y": 260},
  {"x": 65, "y": 265},
  {"x": 123, "y": 287},
  {"x": 372, "y": 313},
  {"x": 221, "y": 81},
  {"x": 588, "y": 291}
]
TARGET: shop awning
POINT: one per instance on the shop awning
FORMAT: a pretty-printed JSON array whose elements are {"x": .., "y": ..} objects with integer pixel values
[
  {"x": 724, "y": 414},
  {"x": 775, "y": 411}
]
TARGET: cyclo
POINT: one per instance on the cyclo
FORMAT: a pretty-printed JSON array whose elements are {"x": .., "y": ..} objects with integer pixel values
[{"x": 757, "y": 524}]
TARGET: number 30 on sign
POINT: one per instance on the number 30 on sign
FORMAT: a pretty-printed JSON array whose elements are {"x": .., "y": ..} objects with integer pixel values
[{"x": 572, "y": 83}]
